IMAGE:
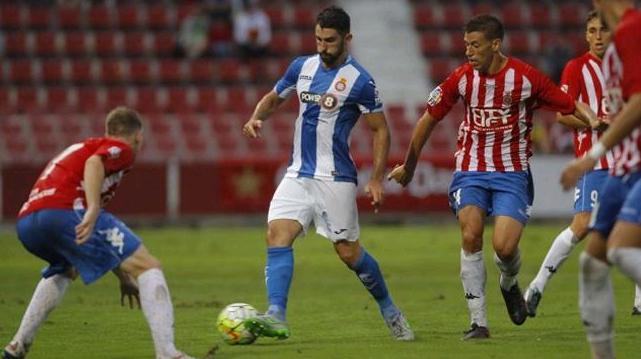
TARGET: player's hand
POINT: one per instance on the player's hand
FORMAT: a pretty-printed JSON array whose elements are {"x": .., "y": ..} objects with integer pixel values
[
  {"x": 84, "y": 229},
  {"x": 401, "y": 175},
  {"x": 251, "y": 129},
  {"x": 601, "y": 124},
  {"x": 129, "y": 289},
  {"x": 577, "y": 168},
  {"x": 374, "y": 191}
]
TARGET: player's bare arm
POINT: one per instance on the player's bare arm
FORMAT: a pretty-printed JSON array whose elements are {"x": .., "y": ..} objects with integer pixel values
[
  {"x": 374, "y": 188},
  {"x": 585, "y": 114},
  {"x": 94, "y": 175},
  {"x": 571, "y": 120},
  {"x": 404, "y": 173},
  {"x": 265, "y": 108},
  {"x": 625, "y": 121}
]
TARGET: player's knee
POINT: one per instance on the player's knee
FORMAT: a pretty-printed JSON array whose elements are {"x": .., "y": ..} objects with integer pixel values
[
  {"x": 472, "y": 238},
  {"x": 281, "y": 233},
  {"x": 71, "y": 273},
  {"x": 505, "y": 250},
  {"x": 348, "y": 254},
  {"x": 579, "y": 226}
]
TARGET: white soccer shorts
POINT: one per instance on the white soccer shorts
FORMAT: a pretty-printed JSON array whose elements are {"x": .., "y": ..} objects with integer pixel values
[{"x": 330, "y": 204}]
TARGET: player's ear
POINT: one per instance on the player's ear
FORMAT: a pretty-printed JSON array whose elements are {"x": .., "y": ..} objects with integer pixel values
[
  {"x": 348, "y": 37},
  {"x": 496, "y": 45}
]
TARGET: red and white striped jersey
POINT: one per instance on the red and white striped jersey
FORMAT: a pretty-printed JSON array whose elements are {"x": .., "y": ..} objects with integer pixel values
[
  {"x": 495, "y": 134},
  {"x": 583, "y": 80},
  {"x": 622, "y": 75}
]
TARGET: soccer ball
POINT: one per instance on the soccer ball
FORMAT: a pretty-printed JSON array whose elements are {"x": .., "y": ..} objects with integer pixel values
[{"x": 230, "y": 324}]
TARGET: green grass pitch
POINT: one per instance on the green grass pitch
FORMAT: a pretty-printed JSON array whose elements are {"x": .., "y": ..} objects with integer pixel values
[{"x": 331, "y": 314}]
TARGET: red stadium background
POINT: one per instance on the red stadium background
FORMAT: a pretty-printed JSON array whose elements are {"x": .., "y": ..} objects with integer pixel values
[{"x": 64, "y": 65}]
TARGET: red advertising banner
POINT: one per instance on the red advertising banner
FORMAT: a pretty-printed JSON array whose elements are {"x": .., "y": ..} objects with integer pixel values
[
  {"x": 247, "y": 186},
  {"x": 231, "y": 186},
  {"x": 142, "y": 191}
]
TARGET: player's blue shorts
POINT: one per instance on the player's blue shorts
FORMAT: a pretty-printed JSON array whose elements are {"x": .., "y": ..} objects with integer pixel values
[
  {"x": 497, "y": 193},
  {"x": 631, "y": 210},
  {"x": 612, "y": 197},
  {"x": 586, "y": 192},
  {"x": 50, "y": 234}
]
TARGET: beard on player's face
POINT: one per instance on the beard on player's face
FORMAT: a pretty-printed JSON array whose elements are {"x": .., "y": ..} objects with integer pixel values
[{"x": 329, "y": 58}]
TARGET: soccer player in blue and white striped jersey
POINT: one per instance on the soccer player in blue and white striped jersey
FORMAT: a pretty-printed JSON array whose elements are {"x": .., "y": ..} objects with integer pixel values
[{"x": 320, "y": 183}]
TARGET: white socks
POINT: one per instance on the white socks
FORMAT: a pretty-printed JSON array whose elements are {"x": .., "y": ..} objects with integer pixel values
[
  {"x": 596, "y": 305},
  {"x": 628, "y": 259},
  {"x": 45, "y": 298},
  {"x": 473, "y": 276},
  {"x": 156, "y": 304},
  {"x": 509, "y": 270},
  {"x": 560, "y": 250}
]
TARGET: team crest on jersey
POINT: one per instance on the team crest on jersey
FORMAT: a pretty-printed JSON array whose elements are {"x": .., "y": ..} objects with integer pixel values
[
  {"x": 341, "y": 85},
  {"x": 564, "y": 88},
  {"x": 114, "y": 151},
  {"x": 435, "y": 96},
  {"x": 507, "y": 99}
]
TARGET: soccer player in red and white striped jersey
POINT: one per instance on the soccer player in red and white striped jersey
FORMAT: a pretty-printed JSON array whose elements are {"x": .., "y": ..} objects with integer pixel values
[
  {"x": 583, "y": 80},
  {"x": 615, "y": 226},
  {"x": 492, "y": 159}
]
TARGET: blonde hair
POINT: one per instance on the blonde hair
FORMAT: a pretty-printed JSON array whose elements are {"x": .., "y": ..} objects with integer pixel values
[{"x": 122, "y": 121}]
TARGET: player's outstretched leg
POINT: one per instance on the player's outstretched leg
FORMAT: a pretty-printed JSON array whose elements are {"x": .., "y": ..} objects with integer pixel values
[
  {"x": 369, "y": 273},
  {"x": 514, "y": 301},
  {"x": 596, "y": 305},
  {"x": 636, "y": 310},
  {"x": 473, "y": 277},
  {"x": 45, "y": 299},
  {"x": 278, "y": 277},
  {"x": 559, "y": 251},
  {"x": 155, "y": 302}
]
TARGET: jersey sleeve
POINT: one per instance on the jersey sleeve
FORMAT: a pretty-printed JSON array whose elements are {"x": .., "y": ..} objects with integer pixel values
[
  {"x": 550, "y": 96},
  {"x": 444, "y": 97},
  {"x": 631, "y": 58},
  {"x": 115, "y": 156},
  {"x": 287, "y": 84},
  {"x": 571, "y": 80},
  {"x": 368, "y": 99}
]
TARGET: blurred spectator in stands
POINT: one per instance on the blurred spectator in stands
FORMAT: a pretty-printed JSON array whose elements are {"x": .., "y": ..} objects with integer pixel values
[
  {"x": 208, "y": 30},
  {"x": 561, "y": 138},
  {"x": 221, "y": 25},
  {"x": 557, "y": 56},
  {"x": 193, "y": 34},
  {"x": 252, "y": 31},
  {"x": 540, "y": 141}
]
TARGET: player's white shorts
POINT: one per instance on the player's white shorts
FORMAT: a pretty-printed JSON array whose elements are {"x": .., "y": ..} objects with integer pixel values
[{"x": 330, "y": 204}]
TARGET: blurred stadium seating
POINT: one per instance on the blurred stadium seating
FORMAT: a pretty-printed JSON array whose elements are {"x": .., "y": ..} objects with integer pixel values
[{"x": 64, "y": 66}]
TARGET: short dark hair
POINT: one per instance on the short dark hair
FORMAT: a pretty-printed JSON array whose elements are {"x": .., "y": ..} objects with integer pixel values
[
  {"x": 593, "y": 14},
  {"x": 123, "y": 121},
  {"x": 333, "y": 17},
  {"x": 489, "y": 25}
]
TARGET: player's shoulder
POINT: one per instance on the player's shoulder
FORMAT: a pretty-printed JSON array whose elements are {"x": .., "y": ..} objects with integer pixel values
[
  {"x": 463, "y": 69},
  {"x": 298, "y": 62},
  {"x": 578, "y": 61},
  {"x": 523, "y": 68},
  {"x": 630, "y": 28},
  {"x": 301, "y": 60}
]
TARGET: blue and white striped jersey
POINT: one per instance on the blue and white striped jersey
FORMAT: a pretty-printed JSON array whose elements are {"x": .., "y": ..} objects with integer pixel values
[{"x": 331, "y": 101}]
